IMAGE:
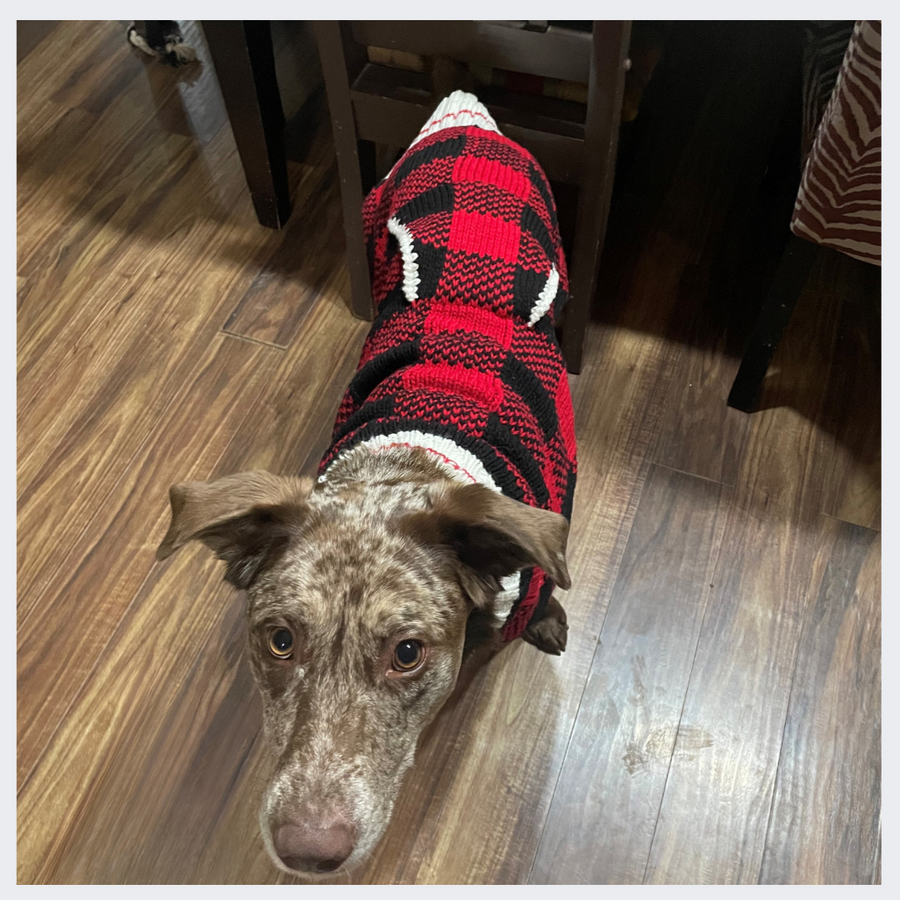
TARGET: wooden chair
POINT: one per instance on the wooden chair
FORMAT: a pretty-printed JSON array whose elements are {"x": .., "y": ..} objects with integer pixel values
[{"x": 575, "y": 143}]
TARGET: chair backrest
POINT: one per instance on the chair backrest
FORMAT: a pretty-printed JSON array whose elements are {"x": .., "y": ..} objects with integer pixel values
[
  {"x": 389, "y": 104},
  {"x": 555, "y": 52}
]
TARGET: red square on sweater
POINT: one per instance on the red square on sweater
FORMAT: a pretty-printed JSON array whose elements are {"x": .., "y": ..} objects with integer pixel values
[
  {"x": 447, "y": 318},
  {"x": 482, "y": 387},
  {"x": 485, "y": 235},
  {"x": 482, "y": 170}
]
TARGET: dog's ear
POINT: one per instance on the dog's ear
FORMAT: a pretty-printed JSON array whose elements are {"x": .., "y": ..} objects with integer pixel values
[
  {"x": 493, "y": 536},
  {"x": 246, "y": 519}
]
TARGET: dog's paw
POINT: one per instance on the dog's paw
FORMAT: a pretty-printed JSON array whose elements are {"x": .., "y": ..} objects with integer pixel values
[{"x": 551, "y": 631}]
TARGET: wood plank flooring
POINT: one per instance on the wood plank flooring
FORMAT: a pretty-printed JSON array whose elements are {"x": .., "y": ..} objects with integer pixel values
[{"x": 716, "y": 717}]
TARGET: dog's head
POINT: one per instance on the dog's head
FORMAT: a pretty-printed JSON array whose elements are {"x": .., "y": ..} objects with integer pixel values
[{"x": 359, "y": 596}]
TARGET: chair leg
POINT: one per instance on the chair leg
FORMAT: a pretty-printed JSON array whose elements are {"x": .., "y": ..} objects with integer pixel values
[
  {"x": 365, "y": 150},
  {"x": 790, "y": 277},
  {"x": 347, "y": 151},
  {"x": 605, "y": 90},
  {"x": 245, "y": 65}
]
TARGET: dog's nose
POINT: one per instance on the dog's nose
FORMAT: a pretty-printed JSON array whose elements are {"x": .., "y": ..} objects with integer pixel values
[{"x": 310, "y": 845}]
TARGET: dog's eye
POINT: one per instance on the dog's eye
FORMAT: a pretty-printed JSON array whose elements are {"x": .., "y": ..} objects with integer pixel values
[
  {"x": 407, "y": 655},
  {"x": 281, "y": 643}
]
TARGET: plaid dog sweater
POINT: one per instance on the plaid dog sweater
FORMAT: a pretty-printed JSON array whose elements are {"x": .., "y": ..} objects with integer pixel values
[{"x": 468, "y": 278}]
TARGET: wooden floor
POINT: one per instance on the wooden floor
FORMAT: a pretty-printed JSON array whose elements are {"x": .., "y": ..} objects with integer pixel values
[{"x": 716, "y": 717}]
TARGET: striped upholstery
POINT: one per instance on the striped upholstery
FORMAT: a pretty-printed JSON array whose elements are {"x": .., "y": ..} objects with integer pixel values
[
  {"x": 839, "y": 202},
  {"x": 824, "y": 46}
]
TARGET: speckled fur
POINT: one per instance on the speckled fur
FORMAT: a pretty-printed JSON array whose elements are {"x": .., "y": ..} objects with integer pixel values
[
  {"x": 338, "y": 732},
  {"x": 351, "y": 580}
]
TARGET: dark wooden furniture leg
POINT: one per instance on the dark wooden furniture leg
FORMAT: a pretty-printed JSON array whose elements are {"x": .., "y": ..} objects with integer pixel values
[
  {"x": 790, "y": 277},
  {"x": 332, "y": 53},
  {"x": 605, "y": 89},
  {"x": 245, "y": 64}
]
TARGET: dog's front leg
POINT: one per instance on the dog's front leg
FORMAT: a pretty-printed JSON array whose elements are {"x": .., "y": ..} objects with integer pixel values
[{"x": 549, "y": 632}]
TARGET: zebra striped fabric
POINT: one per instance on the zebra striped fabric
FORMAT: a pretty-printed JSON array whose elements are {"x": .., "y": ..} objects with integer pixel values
[
  {"x": 839, "y": 202},
  {"x": 824, "y": 46}
]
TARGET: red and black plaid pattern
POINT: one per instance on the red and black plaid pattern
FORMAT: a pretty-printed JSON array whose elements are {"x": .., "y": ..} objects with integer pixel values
[{"x": 461, "y": 360}]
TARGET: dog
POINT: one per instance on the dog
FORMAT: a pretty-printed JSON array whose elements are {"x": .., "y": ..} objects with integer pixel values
[{"x": 440, "y": 516}]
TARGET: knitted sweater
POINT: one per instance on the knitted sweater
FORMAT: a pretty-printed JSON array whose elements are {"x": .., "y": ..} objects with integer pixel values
[{"x": 468, "y": 277}]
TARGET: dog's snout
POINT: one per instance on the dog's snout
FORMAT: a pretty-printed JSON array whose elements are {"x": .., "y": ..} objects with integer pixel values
[{"x": 311, "y": 844}]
